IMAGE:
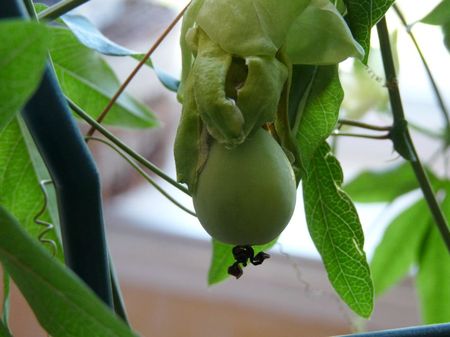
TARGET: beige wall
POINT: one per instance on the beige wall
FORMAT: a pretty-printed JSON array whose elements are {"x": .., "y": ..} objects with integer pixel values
[{"x": 159, "y": 313}]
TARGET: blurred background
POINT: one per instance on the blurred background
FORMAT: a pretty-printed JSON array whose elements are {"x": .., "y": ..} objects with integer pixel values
[{"x": 162, "y": 254}]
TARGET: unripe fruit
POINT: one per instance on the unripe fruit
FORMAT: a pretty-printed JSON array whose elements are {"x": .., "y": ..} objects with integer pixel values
[{"x": 246, "y": 195}]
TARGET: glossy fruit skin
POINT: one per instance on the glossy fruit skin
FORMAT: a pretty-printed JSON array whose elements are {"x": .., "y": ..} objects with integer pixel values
[{"x": 246, "y": 195}]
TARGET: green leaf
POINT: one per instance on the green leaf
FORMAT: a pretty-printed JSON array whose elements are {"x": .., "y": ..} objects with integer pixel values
[
  {"x": 362, "y": 15},
  {"x": 320, "y": 36},
  {"x": 397, "y": 251},
  {"x": 222, "y": 258},
  {"x": 446, "y": 32},
  {"x": 91, "y": 37},
  {"x": 4, "y": 332},
  {"x": 317, "y": 118},
  {"x": 335, "y": 228},
  {"x": 64, "y": 306},
  {"x": 439, "y": 15},
  {"x": 89, "y": 81},
  {"x": 20, "y": 192},
  {"x": 6, "y": 299},
  {"x": 23, "y": 52},
  {"x": 385, "y": 185},
  {"x": 382, "y": 186},
  {"x": 433, "y": 277}
]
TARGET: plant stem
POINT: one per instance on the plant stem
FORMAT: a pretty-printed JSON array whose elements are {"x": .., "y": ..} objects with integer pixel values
[
  {"x": 363, "y": 125},
  {"x": 60, "y": 8},
  {"x": 400, "y": 133},
  {"x": 143, "y": 174},
  {"x": 436, "y": 91},
  {"x": 360, "y": 135},
  {"x": 124, "y": 147},
  {"x": 119, "y": 91}
]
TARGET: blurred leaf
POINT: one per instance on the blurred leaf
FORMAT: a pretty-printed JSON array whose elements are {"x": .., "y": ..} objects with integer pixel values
[
  {"x": 23, "y": 52},
  {"x": 20, "y": 192},
  {"x": 362, "y": 15},
  {"x": 89, "y": 81},
  {"x": 382, "y": 186},
  {"x": 386, "y": 185},
  {"x": 446, "y": 32},
  {"x": 6, "y": 299},
  {"x": 433, "y": 284},
  {"x": 320, "y": 36},
  {"x": 340, "y": 6},
  {"x": 397, "y": 251},
  {"x": 439, "y": 15},
  {"x": 91, "y": 37},
  {"x": 64, "y": 306},
  {"x": 4, "y": 332},
  {"x": 318, "y": 114},
  {"x": 335, "y": 228},
  {"x": 222, "y": 258}
]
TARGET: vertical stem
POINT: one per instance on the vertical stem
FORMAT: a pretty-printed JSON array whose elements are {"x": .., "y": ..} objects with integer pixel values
[
  {"x": 400, "y": 134},
  {"x": 437, "y": 93}
]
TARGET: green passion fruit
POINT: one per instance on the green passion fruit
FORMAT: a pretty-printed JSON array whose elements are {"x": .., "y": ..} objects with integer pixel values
[{"x": 246, "y": 195}]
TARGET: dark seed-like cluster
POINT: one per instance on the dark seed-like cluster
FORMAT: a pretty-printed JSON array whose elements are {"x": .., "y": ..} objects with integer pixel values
[{"x": 243, "y": 254}]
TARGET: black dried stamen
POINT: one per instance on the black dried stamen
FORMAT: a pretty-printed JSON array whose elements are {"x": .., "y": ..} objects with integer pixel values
[
  {"x": 235, "y": 270},
  {"x": 259, "y": 258},
  {"x": 242, "y": 254}
]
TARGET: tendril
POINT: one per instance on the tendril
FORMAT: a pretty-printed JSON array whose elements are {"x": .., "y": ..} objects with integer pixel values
[
  {"x": 47, "y": 227},
  {"x": 143, "y": 174}
]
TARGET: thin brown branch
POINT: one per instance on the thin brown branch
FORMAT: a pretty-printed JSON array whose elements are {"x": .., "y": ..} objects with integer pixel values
[{"x": 113, "y": 100}]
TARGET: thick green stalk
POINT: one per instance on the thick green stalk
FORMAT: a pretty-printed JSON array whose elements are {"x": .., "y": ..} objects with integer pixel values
[
  {"x": 60, "y": 8},
  {"x": 400, "y": 133}
]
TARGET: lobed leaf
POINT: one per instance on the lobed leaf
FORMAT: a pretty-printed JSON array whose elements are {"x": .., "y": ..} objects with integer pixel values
[
  {"x": 362, "y": 15},
  {"x": 89, "y": 81},
  {"x": 20, "y": 192},
  {"x": 23, "y": 52},
  {"x": 397, "y": 251},
  {"x": 336, "y": 231},
  {"x": 222, "y": 258},
  {"x": 317, "y": 116},
  {"x": 63, "y": 305}
]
